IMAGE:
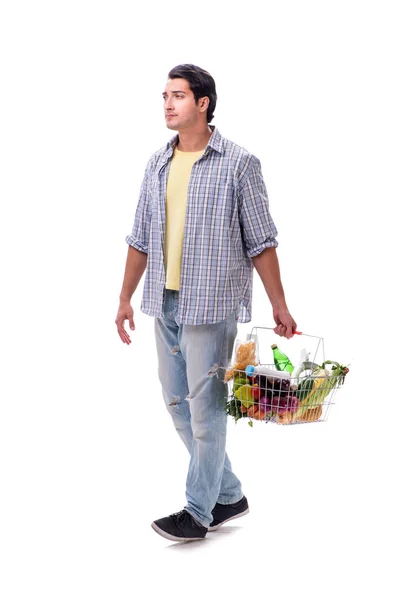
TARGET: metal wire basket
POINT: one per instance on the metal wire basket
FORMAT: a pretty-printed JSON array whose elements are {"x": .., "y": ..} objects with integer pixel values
[{"x": 304, "y": 395}]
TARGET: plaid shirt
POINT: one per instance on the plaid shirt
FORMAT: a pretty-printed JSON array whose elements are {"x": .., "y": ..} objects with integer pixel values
[{"x": 227, "y": 223}]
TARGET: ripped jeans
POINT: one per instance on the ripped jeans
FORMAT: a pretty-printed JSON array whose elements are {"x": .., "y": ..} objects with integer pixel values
[{"x": 194, "y": 394}]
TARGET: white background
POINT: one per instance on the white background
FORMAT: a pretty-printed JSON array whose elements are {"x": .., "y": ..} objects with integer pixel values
[{"x": 89, "y": 456}]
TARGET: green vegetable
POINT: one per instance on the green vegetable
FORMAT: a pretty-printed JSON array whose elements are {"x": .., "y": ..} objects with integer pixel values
[
  {"x": 244, "y": 395},
  {"x": 305, "y": 388},
  {"x": 308, "y": 365},
  {"x": 233, "y": 409},
  {"x": 239, "y": 381},
  {"x": 324, "y": 382}
]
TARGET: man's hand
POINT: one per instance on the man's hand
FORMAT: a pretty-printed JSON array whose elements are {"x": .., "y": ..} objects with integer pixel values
[
  {"x": 285, "y": 324},
  {"x": 125, "y": 312}
]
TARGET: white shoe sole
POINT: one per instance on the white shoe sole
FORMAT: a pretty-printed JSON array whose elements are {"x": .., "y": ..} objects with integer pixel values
[
  {"x": 230, "y": 519},
  {"x": 174, "y": 538}
]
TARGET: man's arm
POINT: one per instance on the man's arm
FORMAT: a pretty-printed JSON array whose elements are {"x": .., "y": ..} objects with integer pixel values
[
  {"x": 136, "y": 263},
  {"x": 267, "y": 266},
  {"x": 136, "y": 260},
  {"x": 259, "y": 233}
]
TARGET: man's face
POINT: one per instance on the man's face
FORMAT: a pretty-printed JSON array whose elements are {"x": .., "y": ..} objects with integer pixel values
[{"x": 180, "y": 109}]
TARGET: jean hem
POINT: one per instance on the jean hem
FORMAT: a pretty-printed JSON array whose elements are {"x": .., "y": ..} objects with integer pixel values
[
  {"x": 231, "y": 501},
  {"x": 197, "y": 518}
]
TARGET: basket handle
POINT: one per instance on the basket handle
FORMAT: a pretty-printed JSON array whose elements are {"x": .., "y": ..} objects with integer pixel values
[
  {"x": 319, "y": 340},
  {"x": 295, "y": 332}
]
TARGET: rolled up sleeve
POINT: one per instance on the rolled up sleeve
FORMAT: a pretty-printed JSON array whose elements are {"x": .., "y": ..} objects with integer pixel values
[
  {"x": 258, "y": 229},
  {"x": 139, "y": 237}
]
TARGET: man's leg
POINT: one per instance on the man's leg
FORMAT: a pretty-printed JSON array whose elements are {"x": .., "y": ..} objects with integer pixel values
[
  {"x": 210, "y": 478},
  {"x": 172, "y": 370}
]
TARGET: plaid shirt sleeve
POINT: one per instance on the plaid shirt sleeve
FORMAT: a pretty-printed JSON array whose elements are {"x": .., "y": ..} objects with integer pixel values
[
  {"x": 139, "y": 237},
  {"x": 257, "y": 226}
]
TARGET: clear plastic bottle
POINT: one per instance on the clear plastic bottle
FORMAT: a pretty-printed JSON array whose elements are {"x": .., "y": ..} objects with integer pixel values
[
  {"x": 282, "y": 362},
  {"x": 252, "y": 370}
]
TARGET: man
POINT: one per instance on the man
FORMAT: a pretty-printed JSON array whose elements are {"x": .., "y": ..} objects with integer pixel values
[{"x": 202, "y": 223}]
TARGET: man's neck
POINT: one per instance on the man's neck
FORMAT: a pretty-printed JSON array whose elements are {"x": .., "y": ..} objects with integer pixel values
[{"x": 193, "y": 141}]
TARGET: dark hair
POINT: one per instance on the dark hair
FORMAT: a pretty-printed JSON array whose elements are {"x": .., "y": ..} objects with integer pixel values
[{"x": 200, "y": 82}]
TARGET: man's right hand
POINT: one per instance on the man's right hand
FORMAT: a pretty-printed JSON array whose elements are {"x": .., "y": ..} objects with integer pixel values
[{"x": 125, "y": 312}]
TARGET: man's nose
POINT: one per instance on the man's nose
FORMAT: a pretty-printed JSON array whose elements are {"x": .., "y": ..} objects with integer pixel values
[{"x": 169, "y": 104}]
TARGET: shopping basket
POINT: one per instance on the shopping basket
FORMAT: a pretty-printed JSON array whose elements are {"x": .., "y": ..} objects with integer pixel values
[{"x": 258, "y": 391}]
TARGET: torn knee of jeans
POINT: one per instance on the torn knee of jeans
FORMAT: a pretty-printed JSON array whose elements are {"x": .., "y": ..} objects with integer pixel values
[
  {"x": 175, "y": 349},
  {"x": 175, "y": 400},
  {"x": 213, "y": 371}
]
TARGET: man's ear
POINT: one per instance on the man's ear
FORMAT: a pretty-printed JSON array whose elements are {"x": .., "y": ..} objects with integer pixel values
[{"x": 204, "y": 102}]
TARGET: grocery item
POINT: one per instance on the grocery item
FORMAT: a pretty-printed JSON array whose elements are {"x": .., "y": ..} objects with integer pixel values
[
  {"x": 305, "y": 388},
  {"x": 239, "y": 381},
  {"x": 253, "y": 409},
  {"x": 324, "y": 382},
  {"x": 281, "y": 361},
  {"x": 244, "y": 395},
  {"x": 311, "y": 414},
  {"x": 234, "y": 408},
  {"x": 304, "y": 364},
  {"x": 245, "y": 355},
  {"x": 260, "y": 415},
  {"x": 252, "y": 370},
  {"x": 284, "y": 418}
]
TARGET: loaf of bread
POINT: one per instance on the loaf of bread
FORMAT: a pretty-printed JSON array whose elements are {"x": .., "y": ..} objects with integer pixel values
[{"x": 312, "y": 414}]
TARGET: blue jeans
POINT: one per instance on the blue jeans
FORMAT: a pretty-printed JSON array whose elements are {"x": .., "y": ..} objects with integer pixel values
[{"x": 194, "y": 394}]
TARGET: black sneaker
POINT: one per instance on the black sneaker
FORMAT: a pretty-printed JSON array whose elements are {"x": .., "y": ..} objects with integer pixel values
[
  {"x": 180, "y": 527},
  {"x": 222, "y": 513}
]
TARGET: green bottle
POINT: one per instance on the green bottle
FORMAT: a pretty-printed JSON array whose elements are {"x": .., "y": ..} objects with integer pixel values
[{"x": 282, "y": 362}]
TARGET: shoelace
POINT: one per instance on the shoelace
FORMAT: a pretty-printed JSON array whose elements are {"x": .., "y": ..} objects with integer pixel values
[{"x": 182, "y": 515}]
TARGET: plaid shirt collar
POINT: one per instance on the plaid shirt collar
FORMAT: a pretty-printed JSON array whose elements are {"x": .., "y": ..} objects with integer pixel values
[{"x": 215, "y": 142}]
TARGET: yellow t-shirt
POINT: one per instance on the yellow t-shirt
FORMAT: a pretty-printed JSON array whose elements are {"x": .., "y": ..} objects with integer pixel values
[{"x": 175, "y": 210}]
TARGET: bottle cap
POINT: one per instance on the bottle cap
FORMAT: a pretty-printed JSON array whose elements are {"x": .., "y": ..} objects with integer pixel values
[
  {"x": 274, "y": 346},
  {"x": 250, "y": 370}
]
